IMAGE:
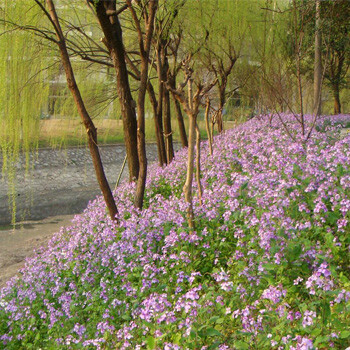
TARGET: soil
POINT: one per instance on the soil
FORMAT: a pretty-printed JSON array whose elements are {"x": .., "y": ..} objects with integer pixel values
[{"x": 20, "y": 243}]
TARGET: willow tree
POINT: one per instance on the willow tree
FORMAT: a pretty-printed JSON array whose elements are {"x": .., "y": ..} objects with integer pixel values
[
  {"x": 79, "y": 102},
  {"x": 42, "y": 21},
  {"x": 23, "y": 89}
]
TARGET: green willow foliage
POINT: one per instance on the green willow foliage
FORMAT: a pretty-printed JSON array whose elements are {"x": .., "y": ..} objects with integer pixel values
[
  {"x": 32, "y": 84},
  {"x": 23, "y": 88}
]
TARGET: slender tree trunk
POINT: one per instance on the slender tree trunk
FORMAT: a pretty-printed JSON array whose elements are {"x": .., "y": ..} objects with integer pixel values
[
  {"x": 88, "y": 123},
  {"x": 198, "y": 164},
  {"x": 181, "y": 123},
  {"x": 179, "y": 116},
  {"x": 167, "y": 127},
  {"x": 212, "y": 129},
  {"x": 167, "y": 110},
  {"x": 141, "y": 141},
  {"x": 207, "y": 111},
  {"x": 336, "y": 95},
  {"x": 298, "y": 41},
  {"x": 222, "y": 100},
  {"x": 161, "y": 76},
  {"x": 145, "y": 47},
  {"x": 189, "y": 175},
  {"x": 318, "y": 63},
  {"x": 114, "y": 41},
  {"x": 191, "y": 144},
  {"x": 158, "y": 126}
]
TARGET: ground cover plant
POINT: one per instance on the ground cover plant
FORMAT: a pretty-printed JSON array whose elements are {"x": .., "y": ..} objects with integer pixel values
[{"x": 267, "y": 266}]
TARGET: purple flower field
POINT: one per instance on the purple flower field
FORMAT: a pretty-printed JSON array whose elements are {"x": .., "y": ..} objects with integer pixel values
[{"x": 268, "y": 266}]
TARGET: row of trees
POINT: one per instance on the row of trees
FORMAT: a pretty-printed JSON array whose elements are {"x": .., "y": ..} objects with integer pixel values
[{"x": 182, "y": 53}]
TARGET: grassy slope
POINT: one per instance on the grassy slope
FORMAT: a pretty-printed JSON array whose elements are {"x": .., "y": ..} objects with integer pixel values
[{"x": 266, "y": 267}]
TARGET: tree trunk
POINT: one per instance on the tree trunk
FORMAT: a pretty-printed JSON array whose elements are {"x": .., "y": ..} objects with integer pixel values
[
  {"x": 190, "y": 160},
  {"x": 298, "y": 42},
  {"x": 336, "y": 95},
  {"x": 222, "y": 100},
  {"x": 164, "y": 101},
  {"x": 167, "y": 127},
  {"x": 114, "y": 41},
  {"x": 198, "y": 164},
  {"x": 166, "y": 110},
  {"x": 158, "y": 126},
  {"x": 141, "y": 141},
  {"x": 189, "y": 175},
  {"x": 88, "y": 123},
  {"x": 207, "y": 110},
  {"x": 161, "y": 74},
  {"x": 179, "y": 116},
  {"x": 145, "y": 47},
  {"x": 317, "y": 63},
  {"x": 181, "y": 123}
]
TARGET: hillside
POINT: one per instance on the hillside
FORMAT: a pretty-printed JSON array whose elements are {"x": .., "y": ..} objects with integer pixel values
[{"x": 266, "y": 268}]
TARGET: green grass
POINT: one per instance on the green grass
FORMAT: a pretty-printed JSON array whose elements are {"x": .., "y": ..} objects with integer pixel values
[{"x": 59, "y": 133}]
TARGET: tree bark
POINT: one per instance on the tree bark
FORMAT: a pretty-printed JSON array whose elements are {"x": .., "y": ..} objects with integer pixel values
[
  {"x": 181, "y": 123},
  {"x": 161, "y": 76},
  {"x": 87, "y": 121},
  {"x": 111, "y": 28},
  {"x": 141, "y": 141},
  {"x": 317, "y": 63},
  {"x": 189, "y": 174},
  {"x": 158, "y": 123},
  {"x": 222, "y": 100},
  {"x": 179, "y": 116},
  {"x": 207, "y": 110},
  {"x": 336, "y": 95},
  {"x": 190, "y": 160},
  {"x": 198, "y": 164},
  {"x": 166, "y": 109},
  {"x": 167, "y": 127},
  {"x": 298, "y": 41}
]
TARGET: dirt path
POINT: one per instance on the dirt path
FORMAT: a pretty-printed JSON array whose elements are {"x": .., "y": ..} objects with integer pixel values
[{"x": 18, "y": 244}]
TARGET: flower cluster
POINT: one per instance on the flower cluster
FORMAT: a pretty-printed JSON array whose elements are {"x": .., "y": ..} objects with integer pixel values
[{"x": 265, "y": 267}]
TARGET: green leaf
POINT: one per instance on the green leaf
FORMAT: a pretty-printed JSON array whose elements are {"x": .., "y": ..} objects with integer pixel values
[
  {"x": 269, "y": 266},
  {"x": 241, "y": 345},
  {"x": 332, "y": 218},
  {"x": 316, "y": 332},
  {"x": 321, "y": 339},
  {"x": 214, "y": 319},
  {"x": 193, "y": 334},
  {"x": 37, "y": 337},
  {"x": 212, "y": 332},
  {"x": 151, "y": 342},
  {"x": 244, "y": 186},
  {"x": 344, "y": 334},
  {"x": 295, "y": 251},
  {"x": 326, "y": 312}
]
